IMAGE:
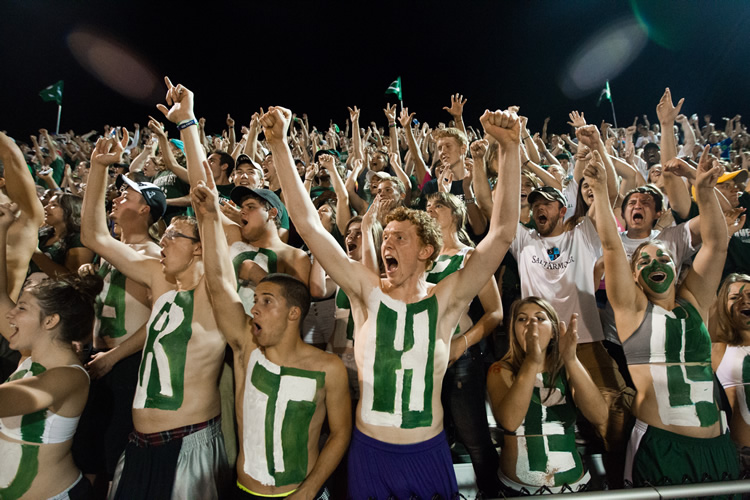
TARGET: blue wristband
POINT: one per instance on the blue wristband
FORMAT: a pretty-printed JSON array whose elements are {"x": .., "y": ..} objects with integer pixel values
[{"x": 187, "y": 123}]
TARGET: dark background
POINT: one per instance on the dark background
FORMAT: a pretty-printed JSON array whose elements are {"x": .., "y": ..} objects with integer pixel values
[{"x": 320, "y": 57}]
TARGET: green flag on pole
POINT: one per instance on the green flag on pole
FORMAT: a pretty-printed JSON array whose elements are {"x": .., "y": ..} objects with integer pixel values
[
  {"x": 395, "y": 88},
  {"x": 606, "y": 94},
  {"x": 53, "y": 93}
]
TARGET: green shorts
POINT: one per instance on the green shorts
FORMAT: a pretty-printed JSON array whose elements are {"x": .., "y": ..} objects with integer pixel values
[{"x": 665, "y": 458}]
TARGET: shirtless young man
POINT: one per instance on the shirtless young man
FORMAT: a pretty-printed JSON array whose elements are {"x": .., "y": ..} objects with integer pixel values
[
  {"x": 122, "y": 310},
  {"x": 284, "y": 387},
  {"x": 403, "y": 326},
  {"x": 176, "y": 410},
  {"x": 17, "y": 186}
]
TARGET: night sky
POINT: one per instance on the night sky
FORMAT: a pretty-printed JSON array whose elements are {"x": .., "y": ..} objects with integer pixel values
[{"x": 320, "y": 57}]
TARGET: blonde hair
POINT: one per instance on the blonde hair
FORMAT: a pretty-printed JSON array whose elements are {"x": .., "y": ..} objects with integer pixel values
[
  {"x": 452, "y": 132},
  {"x": 427, "y": 229}
]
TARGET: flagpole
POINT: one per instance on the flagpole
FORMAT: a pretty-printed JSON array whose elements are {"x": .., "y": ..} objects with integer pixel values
[
  {"x": 614, "y": 118},
  {"x": 59, "y": 113}
]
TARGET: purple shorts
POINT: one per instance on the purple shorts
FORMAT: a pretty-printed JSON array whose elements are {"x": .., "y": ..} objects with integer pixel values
[{"x": 383, "y": 471}]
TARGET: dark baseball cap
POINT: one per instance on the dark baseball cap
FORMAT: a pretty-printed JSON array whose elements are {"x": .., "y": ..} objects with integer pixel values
[
  {"x": 239, "y": 193},
  {"x": 548, "y": 193},
  {"x": 152, "y": 194}
]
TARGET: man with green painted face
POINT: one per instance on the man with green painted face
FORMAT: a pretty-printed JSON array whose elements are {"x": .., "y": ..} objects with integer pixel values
[
  {"x": 177, "y": 448},
  {"x": 285, "y": 388},
  {"x": 403, "y": 325}
]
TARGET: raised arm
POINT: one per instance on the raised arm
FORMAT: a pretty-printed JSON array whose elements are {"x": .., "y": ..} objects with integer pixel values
[
  {"x": 390, "y": 114},
  {"x": 704, "y": 276},
  {"x": 480, "y": 182},
  {"x": 405, "y": 119},
  {"x": 94, "y": 231},
  {"x": 590, "y": 137},
  {"x": 666, "y": 111},
  {"x": 18, "y": 182},
  {"x": 622, "y": 291},
  {"x": 456, "y": 110},
  {"x": 220, "y": 279},
  {"x": 7, "y": 216},
  {"x": 356, "y": 133},
  {"x": 350, "y": 276},
  {"x": 181, "y": 113},
  {"x": 343, "y": 212},
  {"x": 463, "y": 285},
  {"x": 166, "y": 151}
]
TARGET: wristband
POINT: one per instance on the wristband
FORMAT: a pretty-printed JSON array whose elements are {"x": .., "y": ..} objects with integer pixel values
[
  {"x": 187, "y": 123},
  {"x": 524, "y": 138},
  {"x": 392, "y": 125}
]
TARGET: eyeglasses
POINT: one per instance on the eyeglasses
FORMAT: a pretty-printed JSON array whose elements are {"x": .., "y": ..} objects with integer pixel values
[{"x": 171, "y": 234}]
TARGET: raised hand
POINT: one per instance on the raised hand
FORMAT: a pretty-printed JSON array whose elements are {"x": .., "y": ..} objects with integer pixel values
[
  {"x": 576, "y": 119},
  {"x": 311, "y": 171},
  {"x": 479, "y": 148},
  {"x": 109, "y": 151},
  {"x": 354, "y": 114},
  {"x": 503, "y": 126},
  {"x": 589, "y": 136},
  {"x": 456, "y": 108},
  {"x": 405, "y": 118},
  {"x": 390, "y": 113},
  {"x": 181, "y": 101},
  {"x": 595, "y": 174},
  {"x": 204, "y": 196},
  {"x": 156, "y": 126},
  {"x": 275, "y": 123},
  {"x": 666, "y": 110},
  {"x": 230, "y": 121},
  {"x": 326, "y": 162},
  {"x": 679, "y": 167},
  {"x": 568, "y": 339},
  {"x": 708, "y": 171}
]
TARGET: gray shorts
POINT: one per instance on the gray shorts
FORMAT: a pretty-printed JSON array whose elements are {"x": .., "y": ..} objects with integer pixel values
[{"x": 201, "y": 469}]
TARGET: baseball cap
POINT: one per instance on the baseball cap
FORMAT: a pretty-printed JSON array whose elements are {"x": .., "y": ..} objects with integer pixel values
[
  {"x": 737, "y": 175},
  {"x": 239, "y": 193},
  {"x": 152, "y": 194},
  {"x": 243, "y": 159},
  {"x": 548, "y": 193}
]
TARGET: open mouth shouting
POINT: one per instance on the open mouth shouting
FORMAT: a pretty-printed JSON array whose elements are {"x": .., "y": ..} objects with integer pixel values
[
  {"x": 391, "y": 264},
  {"x": 351, "y": 247},
  {"x": 658, "y": 276}
]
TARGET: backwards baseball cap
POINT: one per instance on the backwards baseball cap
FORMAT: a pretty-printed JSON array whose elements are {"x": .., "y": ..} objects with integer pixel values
[
  {"x": 152, "y": 194},
  {"x": 548, "y": 193},
  {"x": 239, "y": 193},
  {"x": 651, "y": 145}
]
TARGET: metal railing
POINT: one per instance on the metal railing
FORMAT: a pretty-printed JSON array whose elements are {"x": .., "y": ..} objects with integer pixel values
[{"x": 659, "y": 492}]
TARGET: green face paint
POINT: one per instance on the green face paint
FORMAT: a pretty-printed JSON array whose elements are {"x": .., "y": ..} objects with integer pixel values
[{"x": 653, "y": 267}]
